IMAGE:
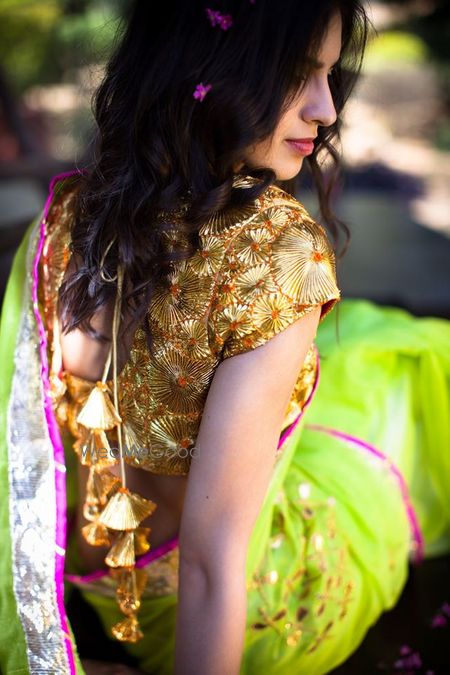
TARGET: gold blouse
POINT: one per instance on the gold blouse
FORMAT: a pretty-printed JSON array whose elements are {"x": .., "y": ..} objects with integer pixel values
[{"x": 256, "y": 271}]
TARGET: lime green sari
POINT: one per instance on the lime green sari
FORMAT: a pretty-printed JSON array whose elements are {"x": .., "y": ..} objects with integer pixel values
[{"x": 360, "y": 490}]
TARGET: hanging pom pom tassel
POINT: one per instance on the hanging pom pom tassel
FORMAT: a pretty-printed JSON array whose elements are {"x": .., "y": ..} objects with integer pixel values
[
  {"x": 99, "y": 449},
  {"x": 122, "y": 553},
  {"x": 80, "y": 445},
  {"x": 141, "y": 544},
  {"x": 130, "y": 586},
  {"x": 96, "y": 534},
  {"x": 101, "y": 484},
  {"x": 110, "y": 506},
  {"x": 127, "y": 630},
  {"x": 99, "y": 412},
  {"x": 93, "y": 447},
  {"x": 126, "y": 510},
  {"x": 91, "y": 511}
]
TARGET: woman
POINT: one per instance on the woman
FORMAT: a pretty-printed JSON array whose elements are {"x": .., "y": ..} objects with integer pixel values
[{"x": 160, "y": 321}]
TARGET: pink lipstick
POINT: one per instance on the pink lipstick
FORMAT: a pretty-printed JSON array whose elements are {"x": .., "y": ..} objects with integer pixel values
[{"x": 304, "y": 146}]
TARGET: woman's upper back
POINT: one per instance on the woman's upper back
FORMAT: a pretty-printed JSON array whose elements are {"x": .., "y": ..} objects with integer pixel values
[{"x": 256, "y": 271}]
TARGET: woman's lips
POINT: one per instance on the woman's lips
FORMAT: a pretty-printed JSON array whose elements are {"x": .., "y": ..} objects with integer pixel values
[{"x": 304, "y": 147}]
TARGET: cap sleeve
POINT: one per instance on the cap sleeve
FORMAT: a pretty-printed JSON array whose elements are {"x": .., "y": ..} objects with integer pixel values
[{"x": 276, "y": 269}]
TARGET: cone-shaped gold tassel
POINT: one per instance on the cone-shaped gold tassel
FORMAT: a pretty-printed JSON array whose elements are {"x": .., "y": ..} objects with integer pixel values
[
  {"x": 91, "y": 511},
  {"x": 96, "y": 534},
  {"x": 101, "y": 484},
  {"x": 98, "y": 450},
  {"x": 141, "y": 545},
  {"x": 125, "y": 510},
  {"x": 78, "y": 388},
  {"x": 81, "y": 445},
  {"x": 98, "y": 412},
  {"x": 122, "y": 551},
  {"x": 141, "y": 507},
  {"x": 130, "y": 586},
  {"x": 127, "y": 630}
]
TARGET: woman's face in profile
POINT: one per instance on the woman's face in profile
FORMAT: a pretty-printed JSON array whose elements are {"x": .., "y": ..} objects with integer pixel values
[{"x": 313, "y": 107}]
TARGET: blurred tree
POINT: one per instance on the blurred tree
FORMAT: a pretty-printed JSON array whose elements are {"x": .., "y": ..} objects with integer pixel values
[
  {"x": 25, "y": 35},
  {"x": 40, "y": 40}
]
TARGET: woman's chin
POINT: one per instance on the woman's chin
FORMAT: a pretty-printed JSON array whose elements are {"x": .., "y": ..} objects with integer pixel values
[{"x": 289, "y": 172}]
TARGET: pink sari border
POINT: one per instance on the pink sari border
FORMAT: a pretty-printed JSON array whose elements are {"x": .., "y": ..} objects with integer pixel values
[
  {"x": 55, "y": 438},
  {"x": 144, "y": 560},
  {"x": 419, "y": 545}
]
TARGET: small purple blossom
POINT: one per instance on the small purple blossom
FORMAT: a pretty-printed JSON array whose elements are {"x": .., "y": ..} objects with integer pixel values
[
  {"x": 225, "y": 21},
  {"x": 201, "y": 90},
  {"x": 438, "y": 621},
  {"x": 413, "y": 661}
]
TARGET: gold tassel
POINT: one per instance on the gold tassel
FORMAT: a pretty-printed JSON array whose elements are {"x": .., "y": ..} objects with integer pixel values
[
  {"x": 109, "y": 505},
  {"x": 125, "y": 510},
  {"x": 91, "y": 492},
  {"x": 101, "y": 484},
  {"x": 96, "y": 534},
  {"x": 77, "y": 387},
  {"x": 98, "y": 450},
  {"x": 127, "y": 630},
  {"x": 141, "y": 507},
  {"x": 80, "y": 446},
  {"x": 141, "y": 545},
  {"x": 122, "y": 552},
  {"x": 130, "y": 586},
  {"x": 91, "y": 511},
  {"x": 99, "y": 412}
]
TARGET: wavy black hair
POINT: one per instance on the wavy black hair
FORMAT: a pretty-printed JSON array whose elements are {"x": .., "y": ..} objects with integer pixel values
[{"x": 157, "y": 145}]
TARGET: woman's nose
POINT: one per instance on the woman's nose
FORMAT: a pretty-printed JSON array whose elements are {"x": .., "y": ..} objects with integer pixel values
[{"x": 318, "y": 105}]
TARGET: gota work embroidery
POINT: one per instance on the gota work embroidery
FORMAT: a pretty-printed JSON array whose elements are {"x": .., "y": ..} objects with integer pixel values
[
  {"x": 256, "y": 271},
  {"x": 283, "y": 604}
]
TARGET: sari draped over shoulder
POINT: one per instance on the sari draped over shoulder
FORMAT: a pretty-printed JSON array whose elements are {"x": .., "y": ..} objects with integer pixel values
[{"x": 360, "y": 483}]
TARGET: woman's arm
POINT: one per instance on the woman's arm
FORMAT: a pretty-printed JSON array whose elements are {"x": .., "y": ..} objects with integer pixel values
[{"x": 228, "y": 480}]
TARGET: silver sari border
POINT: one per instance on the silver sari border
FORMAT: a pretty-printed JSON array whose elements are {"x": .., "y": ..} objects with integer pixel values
[{"x": 37, "y": 490}]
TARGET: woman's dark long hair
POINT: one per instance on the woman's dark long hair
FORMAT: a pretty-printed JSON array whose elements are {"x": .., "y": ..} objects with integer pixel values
[{"x": 157, "y": 144}]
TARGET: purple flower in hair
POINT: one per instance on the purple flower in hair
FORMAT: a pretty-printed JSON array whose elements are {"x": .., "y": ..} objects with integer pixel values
[
  {"x": 201, "y": 90},
  {"x": 438, "y": 621},
  {"x": 225, "y": 21}
]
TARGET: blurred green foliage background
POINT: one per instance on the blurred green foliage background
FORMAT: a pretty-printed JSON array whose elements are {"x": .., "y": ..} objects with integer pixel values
[{"x": 395, "y": 140}]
